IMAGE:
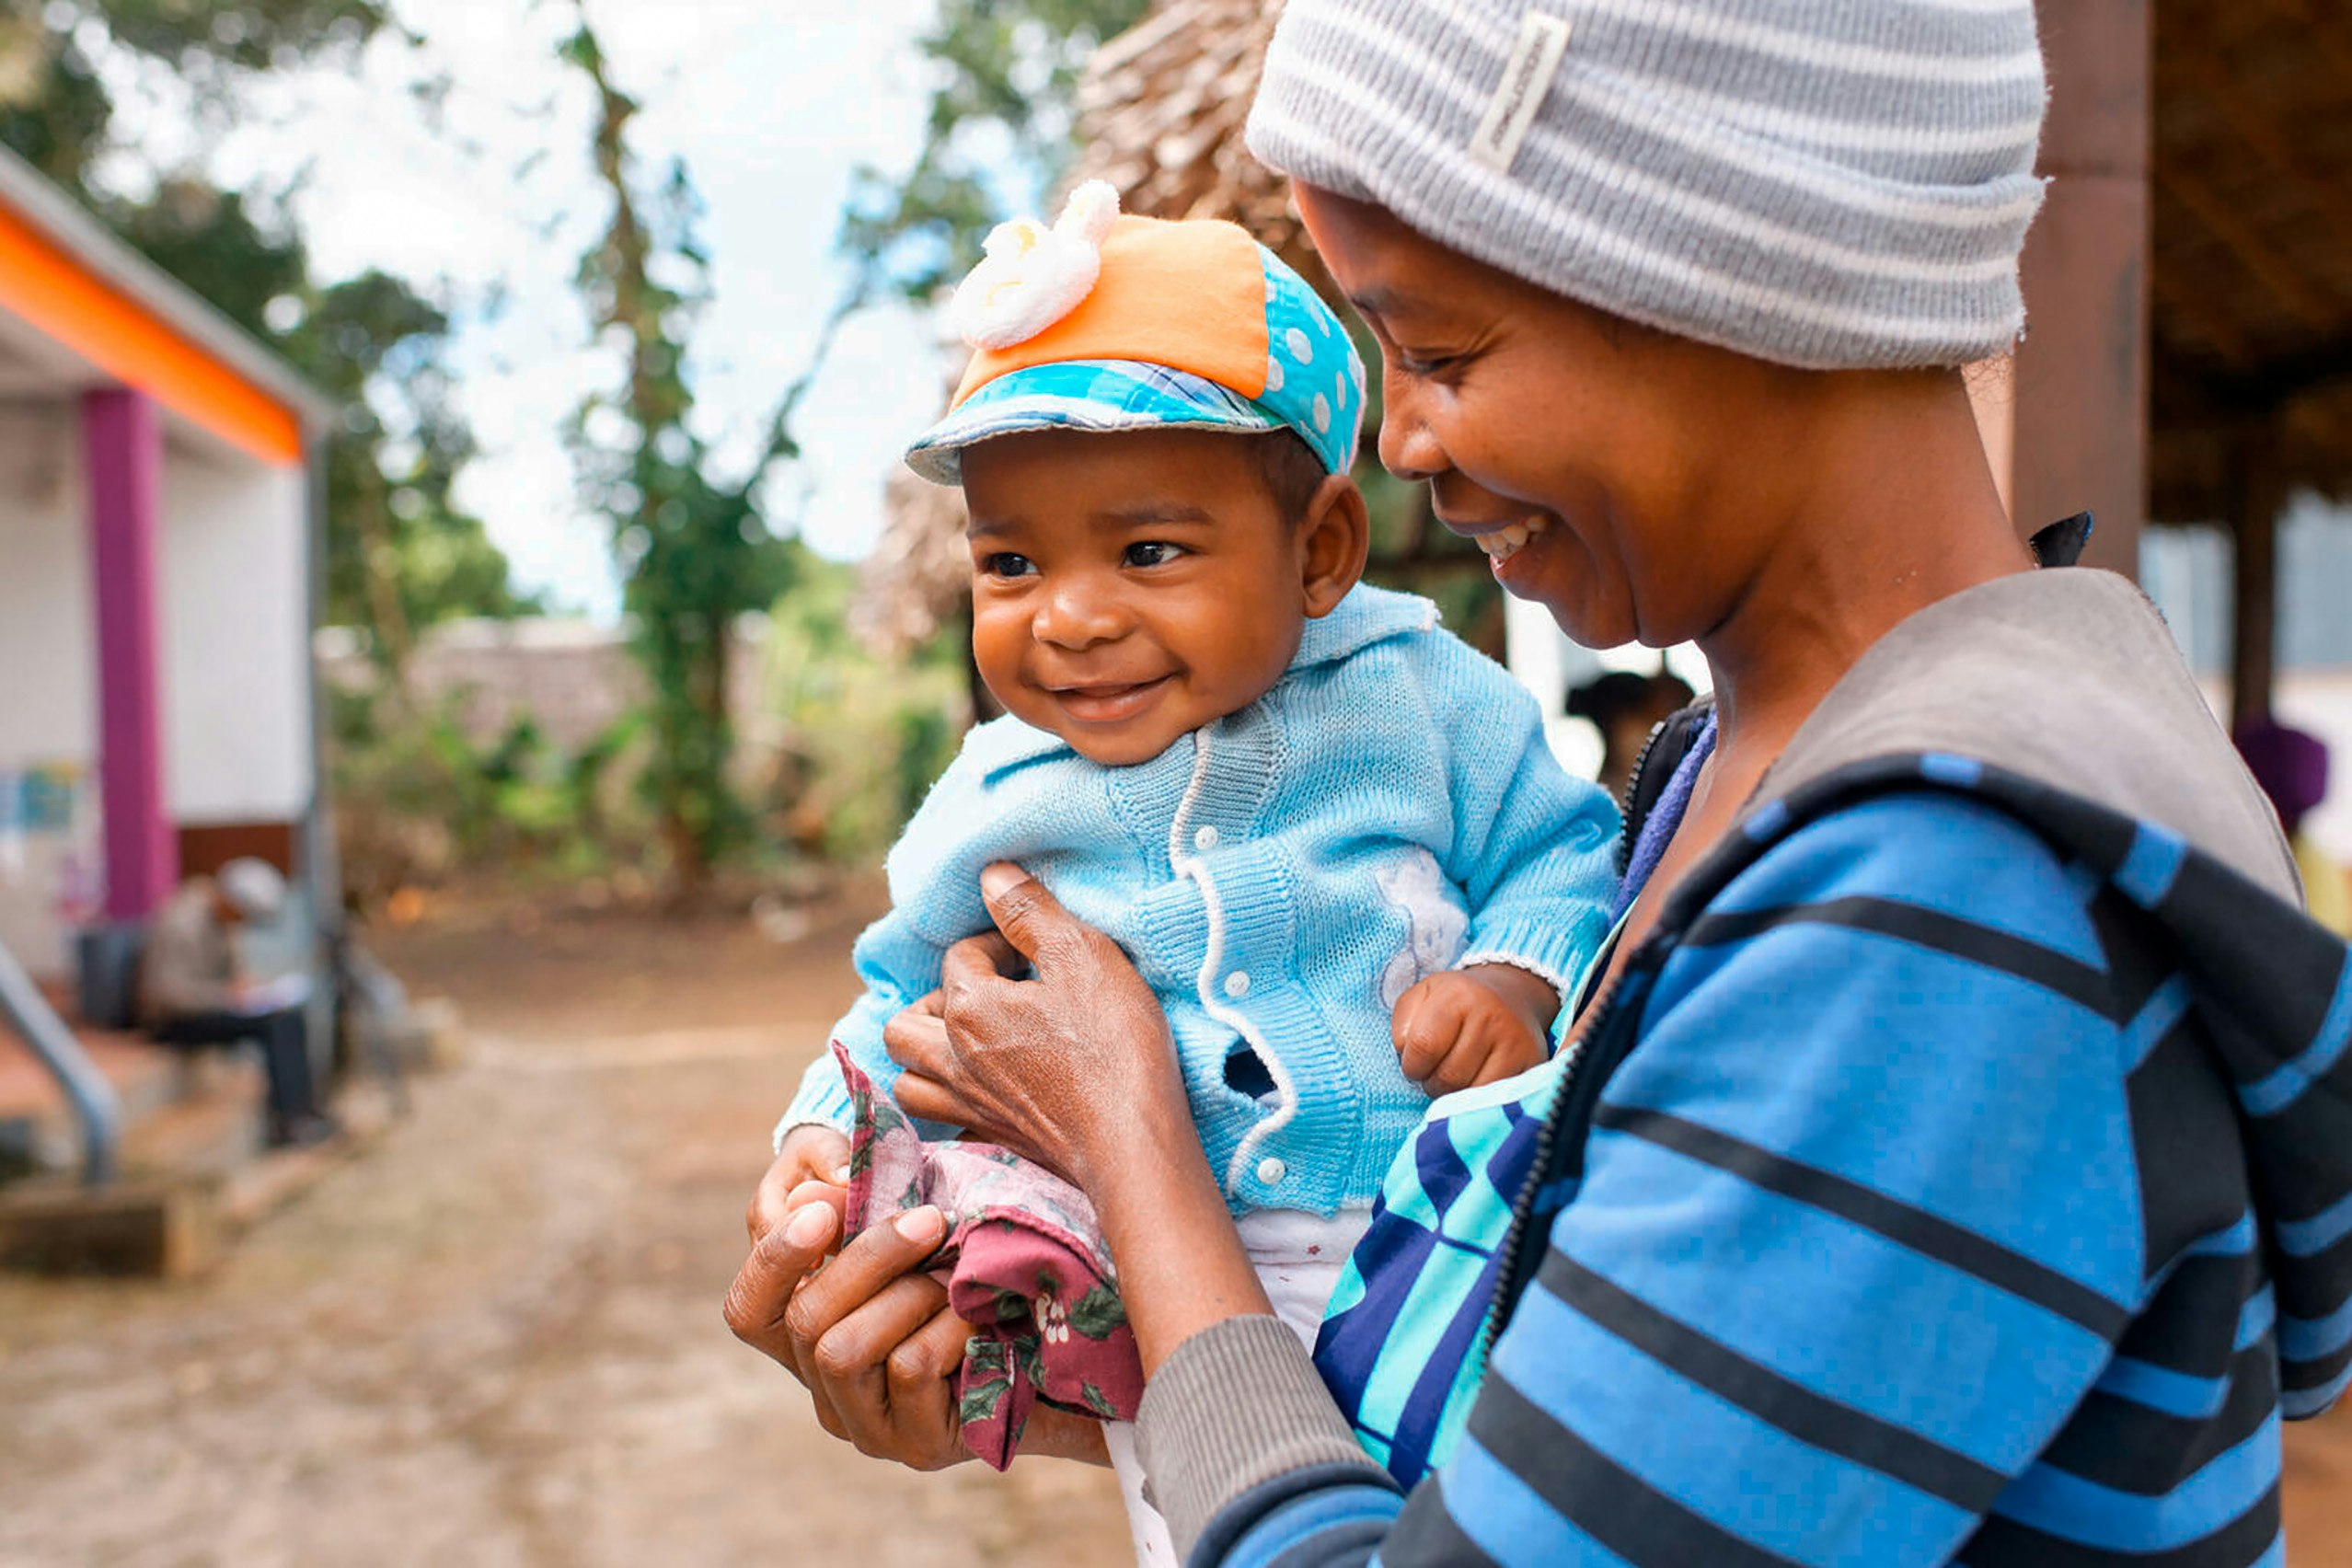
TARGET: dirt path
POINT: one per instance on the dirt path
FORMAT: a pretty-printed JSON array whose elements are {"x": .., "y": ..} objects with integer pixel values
[{"x": 497, "y": 1338}]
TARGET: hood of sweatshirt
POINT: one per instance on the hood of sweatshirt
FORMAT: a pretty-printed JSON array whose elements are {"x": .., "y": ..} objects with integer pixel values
[{"x": 2059, "y": 697}]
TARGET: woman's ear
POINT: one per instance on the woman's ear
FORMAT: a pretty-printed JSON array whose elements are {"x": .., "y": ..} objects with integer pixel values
[{"x": 1335, "y": 538}]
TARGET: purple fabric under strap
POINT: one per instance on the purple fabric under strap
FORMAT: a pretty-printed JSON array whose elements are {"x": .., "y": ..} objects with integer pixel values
[{"x": 1664, "y": 818}]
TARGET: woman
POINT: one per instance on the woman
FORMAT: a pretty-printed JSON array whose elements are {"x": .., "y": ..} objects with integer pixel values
[{"x": 1950, "y": 1160}]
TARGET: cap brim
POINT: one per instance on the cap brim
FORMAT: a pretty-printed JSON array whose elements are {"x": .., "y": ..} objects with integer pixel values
[{"x": 1153, "y": 399}]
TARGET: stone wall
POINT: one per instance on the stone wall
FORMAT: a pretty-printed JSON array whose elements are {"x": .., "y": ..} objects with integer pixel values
[{"x": 572, "y": 678}]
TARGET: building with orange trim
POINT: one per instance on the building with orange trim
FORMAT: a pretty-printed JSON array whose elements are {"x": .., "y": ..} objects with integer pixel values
[{"x": 160, "y": 563}]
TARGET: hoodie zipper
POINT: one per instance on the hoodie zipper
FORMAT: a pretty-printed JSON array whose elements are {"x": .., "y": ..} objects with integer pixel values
[{"x": 1632, "y": 788}]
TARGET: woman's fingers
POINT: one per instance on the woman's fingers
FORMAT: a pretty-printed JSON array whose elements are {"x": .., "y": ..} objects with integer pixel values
[
  {"x": 976, "y": 960},
  {"x": 879, "y": 1370},
  {"x": 918, "y": 1042},
  {"x": 921, "y": 1428},
  {"x": 762, "y": 1295},
  {"x": 889, "y": 1372},
  {"x": 849, "y": 1362},
  {"x": 864, "y": 1268},
  {"x": 929, "y": 1100}
]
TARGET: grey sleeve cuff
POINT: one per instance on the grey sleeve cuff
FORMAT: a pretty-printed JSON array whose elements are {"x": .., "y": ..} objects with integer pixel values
[{"x": 1235, "y": 1406}]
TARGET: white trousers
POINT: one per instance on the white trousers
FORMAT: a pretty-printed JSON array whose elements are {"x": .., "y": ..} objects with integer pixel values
[{"x": 1298, "y": 1257}]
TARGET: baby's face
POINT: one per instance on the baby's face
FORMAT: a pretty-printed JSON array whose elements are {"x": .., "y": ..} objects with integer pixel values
[{"x": 1128, "y": 589}]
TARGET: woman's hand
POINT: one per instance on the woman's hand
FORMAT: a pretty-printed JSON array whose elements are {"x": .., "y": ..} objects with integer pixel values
[
  {"x": 812, "y": 1167},
  {"x": 1075, "y": 1068},
  {"x": 1062, "y": 1066},
  {"x": 868, "y": 1334}
]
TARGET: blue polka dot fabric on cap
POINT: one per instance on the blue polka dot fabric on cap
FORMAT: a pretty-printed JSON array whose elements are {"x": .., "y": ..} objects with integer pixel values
[{"x": 1314, "y": 376}]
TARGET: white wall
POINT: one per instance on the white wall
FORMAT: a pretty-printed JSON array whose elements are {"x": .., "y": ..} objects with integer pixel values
[
  {"x": 234, "y": 647},
  {"x": 47, "y": 668},
  {"x": 236, "y": 641},
  {"x": 48, "y": 673}
]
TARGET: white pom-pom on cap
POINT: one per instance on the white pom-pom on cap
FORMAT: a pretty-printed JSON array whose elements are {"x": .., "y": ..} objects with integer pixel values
[{"x": 1032, "y": 276}]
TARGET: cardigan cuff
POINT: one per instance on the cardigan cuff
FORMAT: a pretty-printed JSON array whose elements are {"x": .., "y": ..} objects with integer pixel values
[
  {"x": 1237, "y": 1405},
  {"x": 1552, "y": 973},
  {"x": 822, "y": 1101}
]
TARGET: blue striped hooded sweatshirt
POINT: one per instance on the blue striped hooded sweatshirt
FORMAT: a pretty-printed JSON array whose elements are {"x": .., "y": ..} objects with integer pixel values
[{"x": 1961, "y": 1171}]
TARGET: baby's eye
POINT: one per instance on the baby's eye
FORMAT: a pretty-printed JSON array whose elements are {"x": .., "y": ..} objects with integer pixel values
[
  {"x": 1153, "y": 552},
  {"x": 1006, "y": 564}
]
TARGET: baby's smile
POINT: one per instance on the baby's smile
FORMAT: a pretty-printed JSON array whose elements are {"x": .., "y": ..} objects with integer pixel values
[{"x": 1109, "y": 702}]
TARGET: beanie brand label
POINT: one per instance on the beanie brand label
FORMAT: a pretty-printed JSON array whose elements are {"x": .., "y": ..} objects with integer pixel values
[{"x": 1527, "y": 77}]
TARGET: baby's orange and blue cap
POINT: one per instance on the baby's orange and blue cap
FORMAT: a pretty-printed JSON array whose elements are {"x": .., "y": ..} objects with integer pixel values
[{"x": 1112, "y": 323}]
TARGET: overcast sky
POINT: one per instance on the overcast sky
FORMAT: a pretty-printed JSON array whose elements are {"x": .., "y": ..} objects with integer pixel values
[{"x": 772, "y": 103}]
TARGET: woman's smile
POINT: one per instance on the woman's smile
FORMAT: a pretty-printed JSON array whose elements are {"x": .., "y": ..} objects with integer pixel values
[{"x": 1505, "y": 540}]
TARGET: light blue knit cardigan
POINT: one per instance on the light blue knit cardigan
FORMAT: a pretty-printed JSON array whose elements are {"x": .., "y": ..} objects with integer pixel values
[{"x": 1388, "y": 811}]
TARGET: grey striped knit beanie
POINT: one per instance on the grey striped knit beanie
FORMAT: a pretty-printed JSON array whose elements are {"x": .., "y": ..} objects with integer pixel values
[{"x": 1834, "y": 184}]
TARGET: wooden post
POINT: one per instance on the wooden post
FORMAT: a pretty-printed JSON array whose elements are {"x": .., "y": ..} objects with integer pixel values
[
  {"x": 2078, "y": 399},
  {"x": 2257, "y": 498}
]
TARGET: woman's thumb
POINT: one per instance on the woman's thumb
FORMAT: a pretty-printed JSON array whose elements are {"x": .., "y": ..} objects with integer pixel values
[{"x": 1029, "y": 915}]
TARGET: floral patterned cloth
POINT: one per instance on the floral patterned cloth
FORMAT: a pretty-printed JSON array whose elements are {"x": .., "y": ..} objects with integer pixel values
[{"x": 1023, "y": 1264}]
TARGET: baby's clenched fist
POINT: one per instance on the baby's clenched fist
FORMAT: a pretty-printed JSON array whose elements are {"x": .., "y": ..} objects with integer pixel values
[{"x": 1472, "y": 1026}]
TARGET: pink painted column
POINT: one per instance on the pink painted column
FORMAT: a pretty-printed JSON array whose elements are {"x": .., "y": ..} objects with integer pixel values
[{"x": 123, "y": 442}]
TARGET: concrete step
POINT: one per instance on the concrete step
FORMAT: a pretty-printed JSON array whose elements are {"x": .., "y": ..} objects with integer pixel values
[
  {"x": 38, "y": 1128},
  {"x": 188, "y": 1191},
  {"x": 216, "y": 1125}
]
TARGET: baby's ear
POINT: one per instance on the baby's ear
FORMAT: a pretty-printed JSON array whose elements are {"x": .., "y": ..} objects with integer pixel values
[{"x": 1334, "y": 538}]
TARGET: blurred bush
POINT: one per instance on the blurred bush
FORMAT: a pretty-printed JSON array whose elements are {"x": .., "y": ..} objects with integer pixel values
[
  {"x": 418, "y": 803},
  {"x": 862, "y": 736},
  {"x": 846, "y": 744}
]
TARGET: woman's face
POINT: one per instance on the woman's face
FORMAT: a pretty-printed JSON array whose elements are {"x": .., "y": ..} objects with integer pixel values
[{"x": 1526, "y": 410}]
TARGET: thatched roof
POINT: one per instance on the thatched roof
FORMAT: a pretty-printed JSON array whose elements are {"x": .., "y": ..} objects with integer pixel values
[
  {"x": 1160, "y": 112},
  {"x": 2252, "y": 276}
]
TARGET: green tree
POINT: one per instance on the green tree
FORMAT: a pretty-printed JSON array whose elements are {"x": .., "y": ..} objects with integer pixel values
[
  {"x": 56, "y": 110},
  {"x": 400, "y": 554},
  {"x": 1004, "y": 80},
  {"x": 694, "y": 549}
]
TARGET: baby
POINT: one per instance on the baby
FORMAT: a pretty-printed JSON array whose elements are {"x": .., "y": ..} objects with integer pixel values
[{"x": 1217, "y": 747}]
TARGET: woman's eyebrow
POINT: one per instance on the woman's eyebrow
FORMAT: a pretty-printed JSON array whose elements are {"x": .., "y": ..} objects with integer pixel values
[{"x": 1373, "y": 303}]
